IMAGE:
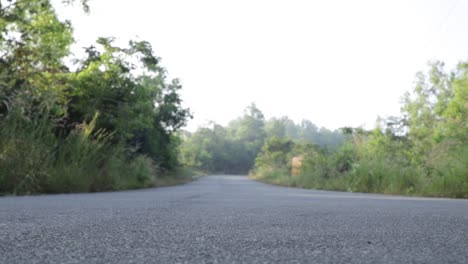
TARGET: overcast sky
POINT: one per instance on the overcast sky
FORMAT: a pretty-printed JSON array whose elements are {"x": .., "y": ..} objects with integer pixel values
[{"x": 336, "y": 63}]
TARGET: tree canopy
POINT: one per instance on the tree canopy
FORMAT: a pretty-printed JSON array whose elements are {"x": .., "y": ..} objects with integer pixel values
[{"x": 118, "y": 100}]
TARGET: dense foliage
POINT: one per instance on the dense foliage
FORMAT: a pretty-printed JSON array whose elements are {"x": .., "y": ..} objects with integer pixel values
[
  {"x": 110, "y": 120},
  {"x": 423, "y": 152},
  {"x": 110, "y": 123},
  {"x": 233, "y": 149}
]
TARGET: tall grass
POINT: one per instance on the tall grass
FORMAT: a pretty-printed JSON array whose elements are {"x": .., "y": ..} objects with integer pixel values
[
  {"x": 33, "y": 159},
  {"x": 444, "y": 174}
]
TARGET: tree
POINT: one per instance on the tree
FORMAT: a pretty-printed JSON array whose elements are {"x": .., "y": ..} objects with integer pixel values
[
  {"x": 275, "y": 154},
  {"x": 248, "y": 132},
  {"x": 275, "y": 127},
  {"x": 209, "y": 149},
  {"x": 454, "y": 109},
  {"x": 45, "y": 107},
  {"x": 424, "y": 107}
]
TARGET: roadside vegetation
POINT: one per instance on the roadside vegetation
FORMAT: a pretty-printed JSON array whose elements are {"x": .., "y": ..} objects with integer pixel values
[
  {"x": 423, "y": 152},
  {"x": 112, "y": 120},
  {"x": 107, "y": 121}
]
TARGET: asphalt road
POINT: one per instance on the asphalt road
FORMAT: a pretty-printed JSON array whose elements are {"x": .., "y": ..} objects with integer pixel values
[{"x": 230, "y": 219}]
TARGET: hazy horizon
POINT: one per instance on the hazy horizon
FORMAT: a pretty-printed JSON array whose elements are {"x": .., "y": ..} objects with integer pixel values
[{"x": 335, "y": 63}]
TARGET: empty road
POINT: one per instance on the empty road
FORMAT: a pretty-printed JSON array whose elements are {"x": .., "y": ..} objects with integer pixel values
[{"x": 231, "y": 219}]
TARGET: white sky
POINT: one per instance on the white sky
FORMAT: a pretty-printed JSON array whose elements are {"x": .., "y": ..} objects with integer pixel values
[{"x": 336, "y": 63}]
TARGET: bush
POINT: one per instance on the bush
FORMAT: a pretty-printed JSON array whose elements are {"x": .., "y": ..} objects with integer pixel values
[
  {"x": 34, "y": 159},
  {"x": 140, "y": 172},
  {"x": 449, "y": 177},
  {"x": 373, "y": 164}
]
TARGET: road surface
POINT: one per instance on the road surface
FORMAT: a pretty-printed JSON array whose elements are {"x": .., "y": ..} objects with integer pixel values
[{"x": 231, "y": 219}]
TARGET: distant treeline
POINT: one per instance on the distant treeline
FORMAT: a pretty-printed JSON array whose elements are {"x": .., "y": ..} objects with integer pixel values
[
  {"x": 107, "y": 124},
  {"x": 233, "y": 149}
]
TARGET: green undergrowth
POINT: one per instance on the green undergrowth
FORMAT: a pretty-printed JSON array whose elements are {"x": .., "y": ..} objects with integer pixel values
[
  {"x": 451, "y": 182},
  {"x": 34, "y": 160}
]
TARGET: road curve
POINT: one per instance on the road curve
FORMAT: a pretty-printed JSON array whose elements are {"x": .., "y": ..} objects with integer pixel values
[{"x": 231, "y": 219}]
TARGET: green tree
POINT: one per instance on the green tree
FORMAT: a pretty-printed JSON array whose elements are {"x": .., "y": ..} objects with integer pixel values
[
  {"x": 143, "y": 111},
  {"x": 208, "y": 148},
  {"x": 100, "y": 127},
  {"x": 275, "y": 127},
  {"x": 248, "y": 132},
  {"x": 275, "y": 155},
  {"x": 424, "y": 108}
]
